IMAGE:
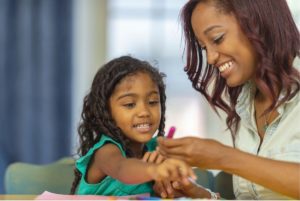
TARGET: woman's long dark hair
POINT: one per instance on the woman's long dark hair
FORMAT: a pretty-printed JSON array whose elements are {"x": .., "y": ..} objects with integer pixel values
[
  {"x": 96, "y": 117},
  {"x": 274, "y": 35}
]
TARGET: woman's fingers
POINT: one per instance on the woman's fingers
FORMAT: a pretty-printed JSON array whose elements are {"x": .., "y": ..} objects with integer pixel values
[
  {"x": 176, "y": 142},
  {"x": 176, "y": 185},
  {"x": 159, "y": 189},
  {"x": 173, "y": 145},
  {"x": 164, "y": 189}
]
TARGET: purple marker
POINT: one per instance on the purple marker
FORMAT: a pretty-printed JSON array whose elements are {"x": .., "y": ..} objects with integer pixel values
[{"x": 171, "y": 132}]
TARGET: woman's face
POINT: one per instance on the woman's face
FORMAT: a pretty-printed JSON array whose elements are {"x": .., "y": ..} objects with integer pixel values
[{"x": 227, "y": 47}]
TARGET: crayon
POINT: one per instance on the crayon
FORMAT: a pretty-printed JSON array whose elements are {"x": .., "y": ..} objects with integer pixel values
[{"x": 171, "y": 132}]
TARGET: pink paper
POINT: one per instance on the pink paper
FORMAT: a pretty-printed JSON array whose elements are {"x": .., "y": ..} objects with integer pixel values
[{"x": 53, "y": 196}]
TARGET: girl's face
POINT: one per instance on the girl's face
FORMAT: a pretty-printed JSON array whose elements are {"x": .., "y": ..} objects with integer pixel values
[
  {"x": 135, "y": 107},
  {"x": 227, "y": 47}
]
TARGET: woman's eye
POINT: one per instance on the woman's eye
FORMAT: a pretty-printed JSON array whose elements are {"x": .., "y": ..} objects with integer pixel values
[
  {"x": 219, "y": 39},
  {"x": 129, "y": 105},
  {"x": 201, "y": 46}
]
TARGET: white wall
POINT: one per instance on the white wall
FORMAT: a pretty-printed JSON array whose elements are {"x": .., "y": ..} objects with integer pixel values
[{"x": 89, "y": 49}]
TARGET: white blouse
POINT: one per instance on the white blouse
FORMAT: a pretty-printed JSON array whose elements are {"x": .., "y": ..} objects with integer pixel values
[{"x": 281, "y": 141}]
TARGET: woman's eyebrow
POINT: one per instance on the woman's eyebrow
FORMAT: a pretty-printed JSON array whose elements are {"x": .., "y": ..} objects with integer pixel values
[{"x": 206, "y": 31}]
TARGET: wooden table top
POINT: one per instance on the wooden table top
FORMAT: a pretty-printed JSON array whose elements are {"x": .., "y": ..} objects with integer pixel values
[{"x": 17, "y": 197}]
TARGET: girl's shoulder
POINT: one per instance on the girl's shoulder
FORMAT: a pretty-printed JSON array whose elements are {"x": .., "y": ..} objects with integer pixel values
[{"x": 83, "y": 161}]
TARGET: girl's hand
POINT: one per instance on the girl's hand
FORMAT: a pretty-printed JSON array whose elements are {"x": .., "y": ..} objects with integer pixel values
[
  {"x": 204, "y": 153},
  {"x": 161, "y": 188},
  {"x": 153, "y": 157},
  {"x": 172, "y": 170}
]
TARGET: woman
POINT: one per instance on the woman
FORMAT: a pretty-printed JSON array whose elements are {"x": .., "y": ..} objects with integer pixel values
[{"x": 249, "y": 47}]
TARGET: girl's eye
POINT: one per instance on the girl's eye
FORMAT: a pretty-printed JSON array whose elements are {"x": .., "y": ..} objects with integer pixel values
[
  {"x": 219, "y": 39},
  {"x": 129, "y": 105},
  {"x": 153, "y": 102}
]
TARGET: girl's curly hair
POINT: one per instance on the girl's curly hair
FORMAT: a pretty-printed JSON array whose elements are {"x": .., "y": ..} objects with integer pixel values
[
  {"x": 96, "y": 117},
  {"x": 270, "y": 28}
]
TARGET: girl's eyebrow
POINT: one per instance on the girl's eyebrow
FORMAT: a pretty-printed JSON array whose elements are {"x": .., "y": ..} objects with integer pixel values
[
  {"x": 126, "y": 95},
  {"x": 153, "y": 92},
  {"x": 134, "y": 95}
]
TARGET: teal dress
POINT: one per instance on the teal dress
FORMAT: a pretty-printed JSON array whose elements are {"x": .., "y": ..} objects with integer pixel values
[{"x": 110, "y": 186}]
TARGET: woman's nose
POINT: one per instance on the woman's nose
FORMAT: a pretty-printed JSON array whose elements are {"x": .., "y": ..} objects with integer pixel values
[{"x": 212, "y": 55}]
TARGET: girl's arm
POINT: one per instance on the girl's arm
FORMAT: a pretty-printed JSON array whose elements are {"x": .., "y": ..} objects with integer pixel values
[
  {"x": 279, "y": 176},
  {"x": 168, "y": 189},
  {"x": 108, "y": 160}
]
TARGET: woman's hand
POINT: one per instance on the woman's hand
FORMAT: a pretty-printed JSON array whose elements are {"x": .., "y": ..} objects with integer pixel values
[
  {"x": 165, "y": 189},
  {"x": 204, "y": 153},
  {"x": 179, "y": 189},
  {"x": 190, "y": 190}
]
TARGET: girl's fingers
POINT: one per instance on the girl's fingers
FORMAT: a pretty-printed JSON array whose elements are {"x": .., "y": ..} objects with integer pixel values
[
  {"x": 146, "y": 156},
  {"x": 186, "y": 172},
  {"x": 159, "y": 159},
  {"x": 152, "y": 157}
]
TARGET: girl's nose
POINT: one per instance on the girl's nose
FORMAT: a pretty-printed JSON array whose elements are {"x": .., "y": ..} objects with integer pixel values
[{"x": 143, "y": 111}]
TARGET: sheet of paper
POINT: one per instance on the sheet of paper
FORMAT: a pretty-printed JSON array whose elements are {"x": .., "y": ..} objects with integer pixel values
[{"x": 54, "y": 196}]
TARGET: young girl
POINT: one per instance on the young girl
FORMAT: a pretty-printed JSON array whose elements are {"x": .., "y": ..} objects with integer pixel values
[{"x": 122, "y": 112}]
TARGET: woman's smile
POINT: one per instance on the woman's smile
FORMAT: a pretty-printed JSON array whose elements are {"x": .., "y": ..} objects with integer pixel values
[{"x": 226, "y": 69}]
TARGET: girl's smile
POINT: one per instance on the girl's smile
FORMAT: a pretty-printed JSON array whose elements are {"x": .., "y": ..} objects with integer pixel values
[
  {"x": 135, "y": 107},
  {"x": 143, "y": 127}
]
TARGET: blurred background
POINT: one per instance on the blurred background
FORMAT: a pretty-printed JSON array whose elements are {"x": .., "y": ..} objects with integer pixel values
[{"x": 51, "y": 49}]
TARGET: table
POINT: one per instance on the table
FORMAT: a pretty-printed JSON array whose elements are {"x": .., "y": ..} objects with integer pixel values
[{"x": 17, "y": 197}]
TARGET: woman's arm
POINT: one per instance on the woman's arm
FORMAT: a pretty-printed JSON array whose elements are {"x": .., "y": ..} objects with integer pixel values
[{"x": 279, "y": 176}]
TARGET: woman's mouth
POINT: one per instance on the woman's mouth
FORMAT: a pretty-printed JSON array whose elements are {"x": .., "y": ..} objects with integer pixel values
[{"x": 226, "y": 68}]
